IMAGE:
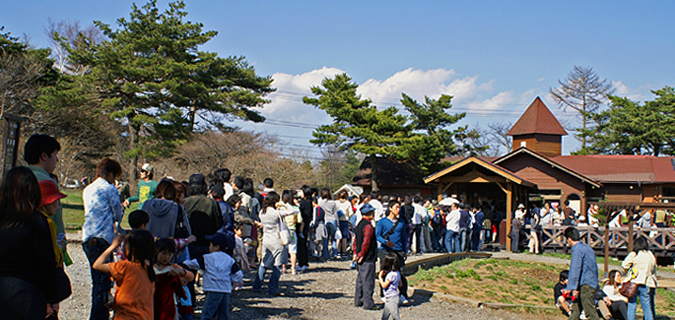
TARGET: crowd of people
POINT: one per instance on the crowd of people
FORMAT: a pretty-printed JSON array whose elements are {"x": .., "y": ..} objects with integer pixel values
[{"x": 219, "y": 226}]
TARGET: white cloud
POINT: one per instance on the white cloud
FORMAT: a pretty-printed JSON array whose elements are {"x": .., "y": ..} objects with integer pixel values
[
  {"x": 495, "y": 103},
  {"x": 641, "y": 93}
]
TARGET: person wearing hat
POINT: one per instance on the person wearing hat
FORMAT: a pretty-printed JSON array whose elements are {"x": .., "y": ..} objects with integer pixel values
[
  {"x": 146, "y": 187},
  {"x": 516, "y": 227},
  {"x": 365, "y": 255},
  {"x": 220, "y": 272},
  {"x": 51, "y": 204}
]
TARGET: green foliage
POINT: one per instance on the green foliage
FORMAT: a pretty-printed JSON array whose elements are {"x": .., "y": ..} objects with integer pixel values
[
  {"x": 431, "y": 139},
  {"x": 630, "y": 127},
  {"x": 420, "y": 139},
  {"x": 152, "y": 78}
]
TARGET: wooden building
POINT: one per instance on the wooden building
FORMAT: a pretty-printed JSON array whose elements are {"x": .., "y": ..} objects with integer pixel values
[{"x": 536, "y": 158}]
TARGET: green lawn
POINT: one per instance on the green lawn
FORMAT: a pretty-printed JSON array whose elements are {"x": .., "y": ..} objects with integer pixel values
[
  {"x": 599, "y": 259},
  {"x": 73, "y": 210}
]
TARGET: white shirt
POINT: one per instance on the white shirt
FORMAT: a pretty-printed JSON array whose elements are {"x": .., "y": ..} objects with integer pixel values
[
  {"x": 228, "y": 191},
  {"x": 520, "y": 214},
  {"x": 546, "y": 217},
  {"x": 452, "y": 220},
  {"x": 379, "y": 209},
  {"x": 616, "y": 222},
  {"x": 418, "y": 214}
]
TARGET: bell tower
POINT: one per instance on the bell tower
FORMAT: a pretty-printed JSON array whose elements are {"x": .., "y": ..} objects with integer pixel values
[{"x": 538, "y": 130}]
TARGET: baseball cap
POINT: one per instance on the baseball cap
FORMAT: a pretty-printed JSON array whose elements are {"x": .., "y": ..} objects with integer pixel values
[
  {"x": 220, "y": 240},
  {"x": 50, "y": 192},
  {"x": 147, "y": 167},
  {"x": 366, "y": 208}
]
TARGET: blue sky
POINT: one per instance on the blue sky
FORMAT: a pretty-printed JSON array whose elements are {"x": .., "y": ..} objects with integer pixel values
[{"x": 495, "y": 57}]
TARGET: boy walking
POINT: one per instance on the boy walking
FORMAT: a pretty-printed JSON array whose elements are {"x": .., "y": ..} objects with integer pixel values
[
  {"x": 365, "y": 255},
  {"x": 220, "y": 272}
]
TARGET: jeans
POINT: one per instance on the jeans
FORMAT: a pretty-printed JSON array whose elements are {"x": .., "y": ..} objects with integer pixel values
[
  {"x": 273, "y": 285},
  {"x": 646, "y": 299},
  {"x": 365, "y": 285},
  {"x": 331, "y": 227},
  {"x": 463, "y": 237},
  {"x": 391, "y": 309},
  {"x": 216, "y": 303},
  {"x": 101, "y": 282},
  {"x": 451, "y": 241},
  {"x": 476, "y": 243}
]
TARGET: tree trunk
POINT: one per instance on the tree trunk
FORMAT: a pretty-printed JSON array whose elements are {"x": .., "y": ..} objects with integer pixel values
[
  {"x": 133, "y": 162},
  {"x": 373, "y": 174},
  {"x": 193, "y": 113}
]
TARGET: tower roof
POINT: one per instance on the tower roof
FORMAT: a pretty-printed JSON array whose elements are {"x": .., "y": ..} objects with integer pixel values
[{"x": 537, "y": 118}]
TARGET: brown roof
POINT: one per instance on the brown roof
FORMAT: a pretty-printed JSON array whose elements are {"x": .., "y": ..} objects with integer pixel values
[
  {"x": 389, "y": 173},
  {"x": 621, "y": 168},
  {"x": 499, "y": 170},
  {"x": 551, "y": 161},
  {"x": 537, "y": 118}
]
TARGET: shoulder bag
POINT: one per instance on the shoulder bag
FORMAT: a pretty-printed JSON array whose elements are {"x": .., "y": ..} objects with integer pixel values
[{"x": 284, "y": 233}]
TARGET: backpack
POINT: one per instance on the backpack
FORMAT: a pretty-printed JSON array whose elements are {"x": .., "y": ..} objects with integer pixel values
[{"x": 320, "y": 214}]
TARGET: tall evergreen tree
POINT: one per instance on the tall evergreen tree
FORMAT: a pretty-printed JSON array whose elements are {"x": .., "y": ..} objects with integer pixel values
[
  {"x": 629, "y": 127},
  {"x": 358, "y": 125},
  {"x": 153, "y": 79}
]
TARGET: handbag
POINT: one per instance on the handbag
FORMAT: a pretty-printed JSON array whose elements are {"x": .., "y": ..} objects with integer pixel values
[
  {"x": 628, "y": 289},
  {"x": 284, "y": 233},
  {"x": 338, "y": 234}
]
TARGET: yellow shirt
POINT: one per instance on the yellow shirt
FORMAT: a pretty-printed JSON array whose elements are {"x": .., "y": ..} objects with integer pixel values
[{"x": 57, "y": 251}]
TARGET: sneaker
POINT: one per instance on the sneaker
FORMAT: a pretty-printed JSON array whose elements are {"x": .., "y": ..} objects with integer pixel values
[{"x": 402, "y": 300}]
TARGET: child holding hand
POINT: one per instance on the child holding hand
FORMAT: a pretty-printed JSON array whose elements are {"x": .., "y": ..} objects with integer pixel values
[
  {"x": 170, "y": 279},
  {"x": 389, "y": 279},
  {"x": 134, "y": 278}
]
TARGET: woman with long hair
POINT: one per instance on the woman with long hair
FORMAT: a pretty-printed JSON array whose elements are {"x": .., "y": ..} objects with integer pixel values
[
  {"x": 271, "y": 215},
  {"x": 306, "y": 212},
  {"x": 344, "y": 213},
  {"x": 330, "y": 209},
  {"x": 642, "y": 265},
  {"x": 619, "y": 301},
  {"x": 27, "y": 260}
]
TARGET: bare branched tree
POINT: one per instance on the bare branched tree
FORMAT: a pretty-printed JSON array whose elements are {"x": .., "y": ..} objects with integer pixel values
[
  {"x": 496, "y": 131},
  {"x": 584, "y": 91},
  {"x": 74, "y": 35},
  {"x": 19, "y": 82}
]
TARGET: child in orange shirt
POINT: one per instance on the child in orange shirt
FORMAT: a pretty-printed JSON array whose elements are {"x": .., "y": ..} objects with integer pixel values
[
  {"x": 169, "y": 280},
  {"x": 135, "y": 278}
]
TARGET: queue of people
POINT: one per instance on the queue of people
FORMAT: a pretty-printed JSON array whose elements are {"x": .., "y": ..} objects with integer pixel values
[{"x": 222, "y": 227}]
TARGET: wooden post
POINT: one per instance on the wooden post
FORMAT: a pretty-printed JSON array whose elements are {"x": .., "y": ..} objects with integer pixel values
[
  {"x": 630, "y": 234},
  {"x": 509, "y": 208},
  {"x": 440, "y": 191},
  {"x": 607, "y": 219}
]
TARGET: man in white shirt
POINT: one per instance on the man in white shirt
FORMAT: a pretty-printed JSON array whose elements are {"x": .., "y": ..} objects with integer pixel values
[
  {"x": 379, "y": 208},
  {"x": 452, "y": 226},
  {"x": 419, "y": 214}
]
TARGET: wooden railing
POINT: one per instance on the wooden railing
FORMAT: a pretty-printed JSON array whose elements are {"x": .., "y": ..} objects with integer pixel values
[{"x": 661, "y": 240}]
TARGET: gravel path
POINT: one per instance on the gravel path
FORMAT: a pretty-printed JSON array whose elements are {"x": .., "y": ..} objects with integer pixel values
[{"x": 325, "y": 291}]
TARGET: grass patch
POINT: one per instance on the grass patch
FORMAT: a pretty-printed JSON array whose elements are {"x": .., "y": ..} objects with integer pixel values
[
  {"x": 73, "y": 210},
  {"x": 510, "y": 281}
]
